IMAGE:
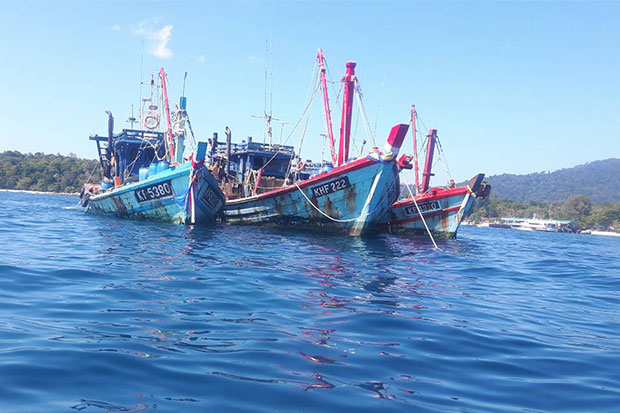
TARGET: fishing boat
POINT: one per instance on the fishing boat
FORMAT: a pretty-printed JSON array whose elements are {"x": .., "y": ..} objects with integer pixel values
[
  {"x": 146, "y": 174},
  {"x": 435, "y": 210},
  {"x": 270, "y": 184}
]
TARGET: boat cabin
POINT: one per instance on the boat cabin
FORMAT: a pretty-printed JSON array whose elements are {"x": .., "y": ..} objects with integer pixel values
[
  {"x": 251, "y": 168},
  {"x": 124, "y": 153}
]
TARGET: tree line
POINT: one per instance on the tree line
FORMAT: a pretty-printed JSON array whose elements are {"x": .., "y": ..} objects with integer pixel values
[
  {"x": 58, "y": 173},
  {"x": 577, "y": 208},
  {"x": 49, "y": 173},
  {"x": 598, "y": 180}
]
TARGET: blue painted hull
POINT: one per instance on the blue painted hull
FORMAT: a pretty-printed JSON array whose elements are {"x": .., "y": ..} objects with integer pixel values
[
  {"x": 348, "y": 199},
  {"x": 442, "y": 210},
  {"x": 166, "y": 196}
]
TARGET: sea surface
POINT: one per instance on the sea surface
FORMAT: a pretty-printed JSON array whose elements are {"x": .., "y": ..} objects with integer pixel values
[{"x": 101, "y": 314}]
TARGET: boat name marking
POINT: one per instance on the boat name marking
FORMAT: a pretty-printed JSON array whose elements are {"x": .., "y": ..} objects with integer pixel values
[
  {"x": 211, "y": 199},
  {"x": 331, "y": 187},
  {"x": 424, "y": 207},
  {"x": 154, "y": 191}
]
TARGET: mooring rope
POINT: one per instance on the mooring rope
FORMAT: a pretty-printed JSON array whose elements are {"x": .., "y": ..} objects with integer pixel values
[
  {"x": 420, "y": 212},
  {"x": 324, "y": 214}
]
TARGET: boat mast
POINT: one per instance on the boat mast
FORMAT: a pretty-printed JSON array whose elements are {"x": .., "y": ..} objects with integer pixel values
[
  {"x": 162, "y": 76},
  {"x": 347, "y": 106},
  {"x": 328, "y": 116},
  {"x": 428, "y": 163},
  {"x": 415, "y": 152}
]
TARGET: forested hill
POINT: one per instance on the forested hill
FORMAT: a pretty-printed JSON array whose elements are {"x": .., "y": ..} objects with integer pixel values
[
  {"x": 50, "y": 173},
  {"x": 598, "y": 180}
]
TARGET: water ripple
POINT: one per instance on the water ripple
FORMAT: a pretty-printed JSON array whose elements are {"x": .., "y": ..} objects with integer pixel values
[{"x": 101, "y": 314}]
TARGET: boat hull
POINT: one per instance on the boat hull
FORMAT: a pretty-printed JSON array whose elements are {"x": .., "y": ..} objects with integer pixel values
[
  {"x": 443, "y": 210},
  {"x": 348, "y": 199},
  {"x": 167, "y": 196}
]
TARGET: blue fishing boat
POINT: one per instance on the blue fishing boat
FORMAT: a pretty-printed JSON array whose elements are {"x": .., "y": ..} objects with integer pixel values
[
  {"x": 146, "y": 175},
  {"x": 269, "y": 184},
  {"x": 348, "y": 198}
]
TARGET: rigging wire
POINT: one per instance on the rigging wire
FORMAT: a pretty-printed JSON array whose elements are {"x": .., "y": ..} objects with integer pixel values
[
  {"x": 443, "y": 158},
  {"x": 308, "y": 105},
  {"x": 360, "y": 102},
  {"x": 379, "y": 103}
]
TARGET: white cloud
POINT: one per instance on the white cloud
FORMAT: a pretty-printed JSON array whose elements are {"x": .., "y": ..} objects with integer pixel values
[
  {"x": 115, "y": 28},
  {"x": 201, "y": 59},
  {"x": 157, "y": 38}
]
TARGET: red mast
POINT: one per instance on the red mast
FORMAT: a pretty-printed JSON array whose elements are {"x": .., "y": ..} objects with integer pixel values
[
  {"x": 328, "y": 115},
  {"x": 162, "y": 76},
  {"x": 415, "y": 152},
  {"x": 428, "y": 163},
  {"x": 347, "y": 106}
]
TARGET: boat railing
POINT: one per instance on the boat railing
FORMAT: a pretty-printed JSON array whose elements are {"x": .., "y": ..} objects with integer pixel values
[
  {"x": 254, "y": 147},
  {"x": 131, "y": 134}
]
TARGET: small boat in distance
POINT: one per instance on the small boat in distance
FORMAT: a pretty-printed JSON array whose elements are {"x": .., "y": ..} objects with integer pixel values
[
  {"x": 145, "y": 172},
  {"x": 537, "y": 224},
  {"x": 434, "y": 209}
]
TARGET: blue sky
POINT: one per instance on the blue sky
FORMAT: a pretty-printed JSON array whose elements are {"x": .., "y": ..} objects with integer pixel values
[{"x": 513, "y": 87}]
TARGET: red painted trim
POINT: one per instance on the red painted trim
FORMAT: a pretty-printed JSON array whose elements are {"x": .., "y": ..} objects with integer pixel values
[
  {"x": 426, "y": 216},
  {"x": 428, "y": 163},
  {"x": 431, "y": 196},
  {"x": 347, "y": 108},
  {"x": 415, "y": 152},
  {"x": 328, "y": 116},
  {"x": 341, "y": 170},
  {"x": 162, "y": 75}
]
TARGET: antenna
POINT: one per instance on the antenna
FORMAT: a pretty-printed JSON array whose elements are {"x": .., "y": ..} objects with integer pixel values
[
  {"x": 141, "y": 71},
  {"x": 184, "y": 79},
  {"x": 268, "y": 115},
  {"x": 132, "y": 119},
  {"x": 271, "y": 76}
]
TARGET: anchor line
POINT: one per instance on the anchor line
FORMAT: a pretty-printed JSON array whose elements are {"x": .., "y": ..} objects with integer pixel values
[{"x": 420, "y": 212}]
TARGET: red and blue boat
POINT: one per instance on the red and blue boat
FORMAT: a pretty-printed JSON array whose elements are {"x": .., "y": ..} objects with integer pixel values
[
  {"x": 270, "y": 185},
  {"x": 438, "y": 210}
]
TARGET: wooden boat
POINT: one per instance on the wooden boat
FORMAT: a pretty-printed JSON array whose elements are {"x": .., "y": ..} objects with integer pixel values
[
  {"x": 443, "y": 210},
  {"x": 349, "y": 198},
  {"x": 146, "y": 175},
  {"x": 270, "y": 185},
  {"x": 436, "y": 210}
]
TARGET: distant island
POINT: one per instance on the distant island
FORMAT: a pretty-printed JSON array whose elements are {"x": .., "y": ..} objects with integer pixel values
[
  {"x": 46, "y": 173},
  {"x": 588, "y": 194},
  {"x": 598, "y": 180}
]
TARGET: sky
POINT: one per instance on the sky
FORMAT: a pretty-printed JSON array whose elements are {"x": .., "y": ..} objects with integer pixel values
[{"x": 512, "y": 87}]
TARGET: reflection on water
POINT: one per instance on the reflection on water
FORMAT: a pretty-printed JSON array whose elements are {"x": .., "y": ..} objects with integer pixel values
[{"x": 101, "y": 314}]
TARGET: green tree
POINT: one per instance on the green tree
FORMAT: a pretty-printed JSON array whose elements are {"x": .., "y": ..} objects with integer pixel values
[{"x": 577, "y": 207}]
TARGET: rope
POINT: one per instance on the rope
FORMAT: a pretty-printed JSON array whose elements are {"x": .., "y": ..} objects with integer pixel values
[
  {"x": 91, "y": 173},
  {"x": 379, "y": 103},
  {"x": 307, "y": 110},
  {"x": 364, "y": 116},
  {"x": 324, "y": 214},
  {"x": 303, "y": 134},
  {"x": 296, "y": 125},
  {"x": 420, "y": 212},
  {"x": 341, "y": 220},
  {"x": 443, "y": 158}
]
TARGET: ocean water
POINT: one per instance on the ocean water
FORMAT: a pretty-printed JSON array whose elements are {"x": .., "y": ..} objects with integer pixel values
[{"x": 101, "y": 314}]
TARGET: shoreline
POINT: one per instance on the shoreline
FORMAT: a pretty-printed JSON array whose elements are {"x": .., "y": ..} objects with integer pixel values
[
  {"x": 28, "y": 191},
  {"x": 584, "y": 231}
]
